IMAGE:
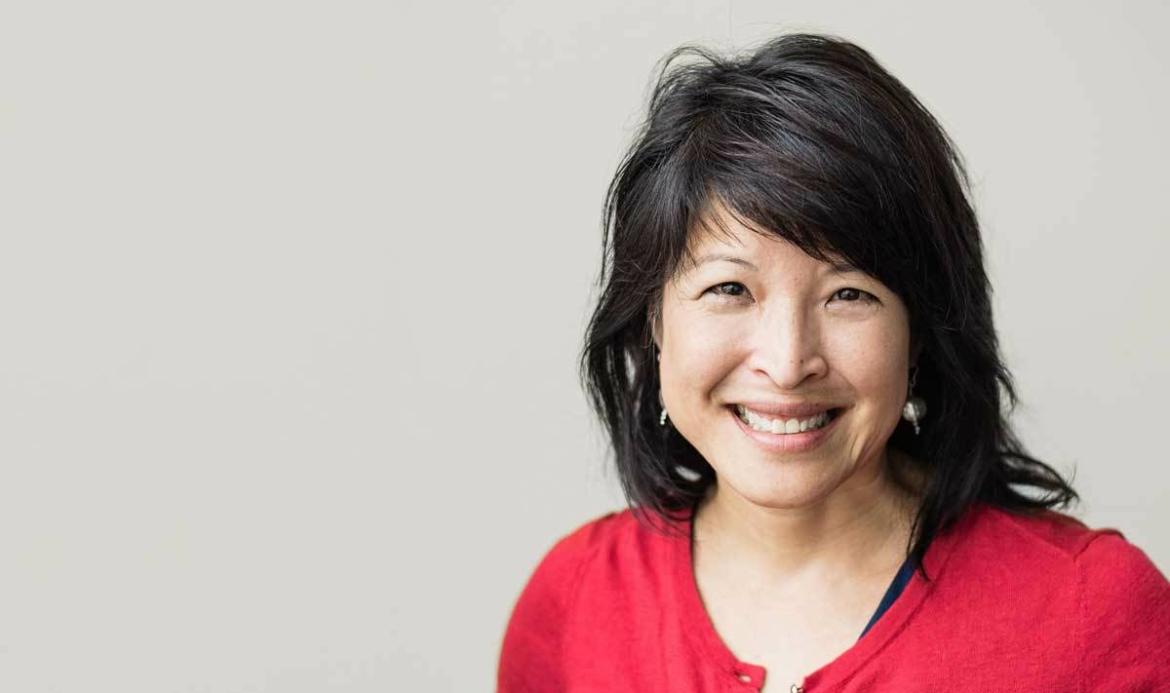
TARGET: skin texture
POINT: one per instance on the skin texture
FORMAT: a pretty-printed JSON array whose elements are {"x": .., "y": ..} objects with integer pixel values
[{"x": 793, "y": 550}]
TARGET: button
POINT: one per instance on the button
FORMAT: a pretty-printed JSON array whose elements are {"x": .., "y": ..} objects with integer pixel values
[{"x": 746, "y": 678}]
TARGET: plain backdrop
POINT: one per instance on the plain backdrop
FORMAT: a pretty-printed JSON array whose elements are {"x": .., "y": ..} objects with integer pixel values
[{"x": 291, "y": 297}]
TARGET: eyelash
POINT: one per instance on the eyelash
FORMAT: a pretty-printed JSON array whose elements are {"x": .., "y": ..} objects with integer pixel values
[{"x": 863, "y": 296}]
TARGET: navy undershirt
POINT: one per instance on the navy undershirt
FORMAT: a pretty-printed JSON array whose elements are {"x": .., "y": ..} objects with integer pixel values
[{"x": 895, "y": 588}]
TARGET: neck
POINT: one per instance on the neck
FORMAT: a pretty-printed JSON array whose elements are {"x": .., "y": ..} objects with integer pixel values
[{"x": 861, "y": 529}]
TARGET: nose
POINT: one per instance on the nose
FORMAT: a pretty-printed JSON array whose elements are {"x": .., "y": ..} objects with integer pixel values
[{"x": 789, "y": 349}]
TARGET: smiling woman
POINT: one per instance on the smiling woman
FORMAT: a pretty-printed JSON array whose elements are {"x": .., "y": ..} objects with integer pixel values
[
  {"x": 798, "y": 342},
  {"x": 795, "y": 358}
]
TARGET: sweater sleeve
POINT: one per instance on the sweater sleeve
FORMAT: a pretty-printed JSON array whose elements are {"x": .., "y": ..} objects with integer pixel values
[
  {"x": 530, "y": 659},
  {"x": 1125, "y": 617}
]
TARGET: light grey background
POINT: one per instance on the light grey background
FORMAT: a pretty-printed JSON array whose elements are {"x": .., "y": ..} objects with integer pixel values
[{"x": 291, "y": 295}]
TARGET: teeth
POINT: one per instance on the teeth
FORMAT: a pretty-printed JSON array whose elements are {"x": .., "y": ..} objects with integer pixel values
[{"x": 781, "y": 426}]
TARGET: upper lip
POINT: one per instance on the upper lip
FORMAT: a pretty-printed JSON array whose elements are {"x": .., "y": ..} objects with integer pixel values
[{"x": 789, "y": 410}]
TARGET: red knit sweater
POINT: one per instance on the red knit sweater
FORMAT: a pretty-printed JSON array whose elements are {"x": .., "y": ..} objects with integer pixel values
[{"x": 1016, "y": 604}]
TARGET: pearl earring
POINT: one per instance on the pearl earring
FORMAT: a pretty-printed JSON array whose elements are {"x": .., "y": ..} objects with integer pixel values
[
  {"x": 662, "y": 416},
  {"x": 915, "y": 407}
]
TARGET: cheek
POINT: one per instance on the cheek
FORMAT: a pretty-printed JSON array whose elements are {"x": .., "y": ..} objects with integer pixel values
[
  {"x": 694, "y": 364},
  {"x": 875, "y": 363},
  {"x": 695, "y": 360}
]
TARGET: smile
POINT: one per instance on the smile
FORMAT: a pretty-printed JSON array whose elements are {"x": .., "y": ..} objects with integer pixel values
[
  {"x": 773, "y": 436},
  {"x": 766, "y": 424}
]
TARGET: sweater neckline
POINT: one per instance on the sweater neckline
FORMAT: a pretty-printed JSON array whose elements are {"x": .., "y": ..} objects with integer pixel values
[{"x": 708, "y": 642}]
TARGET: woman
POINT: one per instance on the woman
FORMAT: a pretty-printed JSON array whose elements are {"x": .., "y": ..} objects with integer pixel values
[{"x": 795, "y": 359}]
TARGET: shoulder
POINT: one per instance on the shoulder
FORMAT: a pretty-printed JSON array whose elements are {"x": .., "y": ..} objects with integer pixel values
[
  {"x": 992, "y": 551},
  {"x": 1038, "y": 544},
  {"x": 562, "y": 563},
  {"x": 1119, "y": 615},
  {"x": 1124, "y": 615},
  {"x": 1053, "y": 535},
  {"x": 1106, "y": 566},
  {"x": 1114, "y": 572},
  {"x": 1058, "y": 536},
  {"x": 532, "y": 641}
]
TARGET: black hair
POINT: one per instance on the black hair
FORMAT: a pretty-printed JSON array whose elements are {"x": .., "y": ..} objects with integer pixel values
[{"x": 809, "y": 139}]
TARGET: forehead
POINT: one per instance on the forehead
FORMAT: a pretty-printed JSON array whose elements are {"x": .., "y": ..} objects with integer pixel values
[{"x": 721, "y": 236}]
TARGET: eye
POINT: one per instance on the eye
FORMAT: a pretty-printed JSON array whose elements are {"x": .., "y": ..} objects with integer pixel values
[
  {"x": 732, "y": 289},
  {"x": 851, "y": 295}
]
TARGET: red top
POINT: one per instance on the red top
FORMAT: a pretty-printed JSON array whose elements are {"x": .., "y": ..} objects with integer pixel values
[{"x": 1016, "y": 603}]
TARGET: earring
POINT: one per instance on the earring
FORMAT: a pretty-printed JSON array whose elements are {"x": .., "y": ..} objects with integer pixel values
[
  {"x": 915, "y": 407},
  {"x": 662, "y": 416}
]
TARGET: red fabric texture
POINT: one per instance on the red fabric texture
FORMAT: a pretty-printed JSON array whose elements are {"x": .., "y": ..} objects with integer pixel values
[{"x": 1016, "y": 603}]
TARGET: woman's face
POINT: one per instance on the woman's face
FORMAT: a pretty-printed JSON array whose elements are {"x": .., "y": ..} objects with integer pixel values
[{"x": 774, "y": 327}]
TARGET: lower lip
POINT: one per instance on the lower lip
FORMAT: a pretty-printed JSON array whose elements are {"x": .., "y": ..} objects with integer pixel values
[{"x": 787, "y": 442}]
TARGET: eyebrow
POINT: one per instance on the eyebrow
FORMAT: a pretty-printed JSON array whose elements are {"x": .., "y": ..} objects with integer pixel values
[
  {"x": 842, "y": 267},
  {"x": 835, "y": 267},
  {"x": 713, "y": 257}
]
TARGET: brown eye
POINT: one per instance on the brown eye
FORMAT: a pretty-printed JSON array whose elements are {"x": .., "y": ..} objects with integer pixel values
[
  {"x": 850, "y": 294},
  {"x": 737, "y": 289}
]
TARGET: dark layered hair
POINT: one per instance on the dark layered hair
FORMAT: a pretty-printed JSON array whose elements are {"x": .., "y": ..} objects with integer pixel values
[{"x": 808, "y": 139}]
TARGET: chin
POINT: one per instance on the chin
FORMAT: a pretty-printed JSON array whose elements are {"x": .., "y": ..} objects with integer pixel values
[{"x": 781, "y": 487}]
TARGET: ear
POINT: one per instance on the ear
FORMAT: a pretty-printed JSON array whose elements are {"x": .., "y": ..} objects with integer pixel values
[
  {"x": 655, "y": 319},
  {"x": 915, "y": 351}
]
